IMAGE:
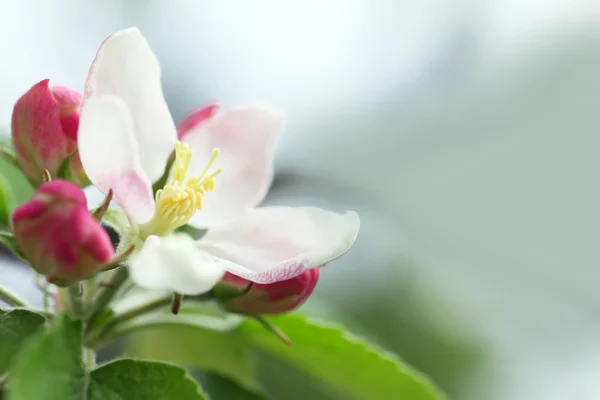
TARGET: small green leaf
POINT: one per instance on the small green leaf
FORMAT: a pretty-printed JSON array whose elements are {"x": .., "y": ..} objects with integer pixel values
[
  {"x": 50, "y": 367},
  {"x": 16, "y": 325},
  {"x": 142, "y": 380},
  {"x": 347, "y": 363}
]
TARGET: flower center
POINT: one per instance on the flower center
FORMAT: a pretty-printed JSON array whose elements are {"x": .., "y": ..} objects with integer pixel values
[{"x": 179, "y": 200}]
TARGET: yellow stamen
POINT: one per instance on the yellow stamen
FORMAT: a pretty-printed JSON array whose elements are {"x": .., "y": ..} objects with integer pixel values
[{"x": 179, "y": 200}]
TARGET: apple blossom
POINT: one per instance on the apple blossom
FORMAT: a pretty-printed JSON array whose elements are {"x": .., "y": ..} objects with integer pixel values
[
  {"x": 222, "y": 170},
  {"x": 44, "y": 132},
  {"x": 58, "y": 235}
]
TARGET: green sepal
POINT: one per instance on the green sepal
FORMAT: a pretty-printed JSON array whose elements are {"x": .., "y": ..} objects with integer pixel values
[
  {"x": 7, "y": 203},
  {"x": 8, "y": 155},
  {"x": 65, "y": 171},
  {"x": 194, "y": 233}
]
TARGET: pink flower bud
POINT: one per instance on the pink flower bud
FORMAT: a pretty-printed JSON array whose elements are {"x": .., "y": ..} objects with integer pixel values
[
  {"x": 272, "y": 298},
  {"x": 44, "y": 131},
  {"x": 58, "y": 235}
]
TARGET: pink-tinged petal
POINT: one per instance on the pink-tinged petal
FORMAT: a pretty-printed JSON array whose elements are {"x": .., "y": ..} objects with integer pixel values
[
  {"x": 110, "y": 156},
  {"x": 196, "y": 118},
  {"x": 273, "y": 244},
  {"x": 174, "y": 263},
  {"x": 125, "y": 66},
  {"x": 246, "y": 137}
]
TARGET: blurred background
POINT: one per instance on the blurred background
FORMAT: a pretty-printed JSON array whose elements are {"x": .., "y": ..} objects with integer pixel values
[{"x": 465, "y": 133}]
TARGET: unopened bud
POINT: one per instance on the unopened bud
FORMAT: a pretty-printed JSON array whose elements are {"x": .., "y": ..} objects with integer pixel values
[
  {"x": 274, "y": 298},
  {"x": 44, "y": 132},
  {"x": 58, "y": 235}
]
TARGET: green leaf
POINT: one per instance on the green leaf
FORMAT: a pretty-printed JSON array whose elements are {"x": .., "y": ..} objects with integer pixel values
[
  {"x": 197, "y": 347},
  {"x": 347, "y": 363},
  {"x": 340, "y": 362},
  {"x": 141, "y": 380},
  {"x": 16, "y": 325},
  {"x": 50, "y": 367}
]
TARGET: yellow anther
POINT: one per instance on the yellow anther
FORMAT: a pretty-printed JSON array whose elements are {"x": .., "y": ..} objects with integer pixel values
[
  {"x": 183, "y": 156},
  {"x": 178, "y": 201},
  {"x": 209, "y": 185}
]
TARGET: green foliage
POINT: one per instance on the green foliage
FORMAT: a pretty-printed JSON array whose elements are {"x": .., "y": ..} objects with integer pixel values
[
  {"x": 350, "y": 364},
  {"x": 16, "y": 325},
  {"x": 136, "y": 379},
  {"x": 345, "y": 364},
  {"x": 198, "y": 347},
  {"x": 50, "y": 367}
]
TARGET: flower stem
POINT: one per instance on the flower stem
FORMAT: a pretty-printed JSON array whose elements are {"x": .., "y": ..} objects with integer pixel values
[
  {"x": 90, "y": 288},
  {"x": 273, "y": 329},
  {"x": 94, "y": 337},
  {"x": 75, "y": 300},
  {"x": 11, "y": 299},
  {"x": 88, "y": 357},
  {"x": 106, "y": 295}
]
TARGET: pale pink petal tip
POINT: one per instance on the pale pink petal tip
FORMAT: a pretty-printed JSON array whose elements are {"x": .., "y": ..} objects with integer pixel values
[{"x": 273, "y": 244}]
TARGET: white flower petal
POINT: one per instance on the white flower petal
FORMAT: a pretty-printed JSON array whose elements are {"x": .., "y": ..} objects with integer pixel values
[
  {"x": 175, "y": 263},
  {"x": 110, "y": 156},
  {"x": 125, "y": 66},
  {"x": 247, "y": 138},
  {"x": 273, "y": 244}
]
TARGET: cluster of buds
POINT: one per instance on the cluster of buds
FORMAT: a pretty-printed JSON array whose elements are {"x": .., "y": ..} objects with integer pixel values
[{"x": 55, "y": 231}]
